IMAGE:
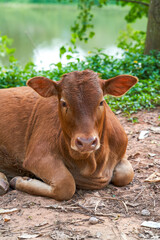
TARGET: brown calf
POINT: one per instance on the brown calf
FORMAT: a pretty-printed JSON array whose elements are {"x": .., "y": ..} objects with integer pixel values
[{"x": 66, "y": 135}]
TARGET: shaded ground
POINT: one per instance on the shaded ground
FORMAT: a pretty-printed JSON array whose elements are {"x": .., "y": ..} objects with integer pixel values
[{"x": 117, "y": 210}]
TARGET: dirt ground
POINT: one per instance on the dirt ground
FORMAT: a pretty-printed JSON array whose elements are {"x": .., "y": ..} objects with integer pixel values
[{"x": 117, "y": 212}]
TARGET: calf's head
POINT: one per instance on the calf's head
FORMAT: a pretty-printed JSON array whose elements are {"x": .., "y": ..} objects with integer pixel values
[{"x": 81, "y": 104}]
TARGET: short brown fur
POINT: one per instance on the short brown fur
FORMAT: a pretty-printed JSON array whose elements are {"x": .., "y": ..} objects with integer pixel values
[{"x": 66, "y": 137}]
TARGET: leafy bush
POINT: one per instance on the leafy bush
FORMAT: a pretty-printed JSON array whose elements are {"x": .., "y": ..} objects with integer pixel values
[
  {"x": 145, "y": 94},
  {"x": 131, "y": 40}
]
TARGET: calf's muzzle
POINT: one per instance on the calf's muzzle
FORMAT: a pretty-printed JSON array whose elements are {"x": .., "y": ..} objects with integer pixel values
[{"x": 86, "y": 144}]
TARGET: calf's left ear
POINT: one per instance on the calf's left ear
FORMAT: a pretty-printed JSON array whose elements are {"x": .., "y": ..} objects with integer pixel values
[
  {"x": 43, "y": 86},
  {"x": 117, "y": 86}
]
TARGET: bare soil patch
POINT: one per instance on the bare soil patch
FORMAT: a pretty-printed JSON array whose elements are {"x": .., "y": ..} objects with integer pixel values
[{"x": 117, "y": 211}]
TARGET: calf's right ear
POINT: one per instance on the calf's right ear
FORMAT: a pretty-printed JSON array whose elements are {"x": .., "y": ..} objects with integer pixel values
[{"x": 43, "y": 86}]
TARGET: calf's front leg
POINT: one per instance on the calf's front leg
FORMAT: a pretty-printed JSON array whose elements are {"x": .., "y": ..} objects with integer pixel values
[
  {"x": 123, "y": 173},
  {"x": 58, "y": 183}
]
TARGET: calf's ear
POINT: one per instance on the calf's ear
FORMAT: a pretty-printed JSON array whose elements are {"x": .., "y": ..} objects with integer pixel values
[
  {"x": 43, "y": 86},
  {"x": 117, "y": 86}
]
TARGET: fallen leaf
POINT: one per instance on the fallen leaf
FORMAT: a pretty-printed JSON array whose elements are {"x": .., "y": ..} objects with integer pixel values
[
  {"x": 28, "y": 236},
  {"x": 151, "y": 224},
  {"x": 132, "y": 204},
  {"x": 41, "y": 224},
  {"x": 151, "y": 154},
  {"x": 6, "y": 211},
  {"x": 117, "y": 217},
  {"x": 6, "y": 218},
  {"x": 153, "y": 178},
  {"x": 155, "y": 130},
  {"x": 118, "y": 112},
  {"x": 143, "y": 134},
  {"x": 136, "y": 155},
  {"x": 55, "y": 206}
]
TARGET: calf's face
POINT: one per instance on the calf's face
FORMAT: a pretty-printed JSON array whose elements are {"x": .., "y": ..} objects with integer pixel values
[
  {"x": 81, "y": 110},
  {"x": 81, "y": 104}
]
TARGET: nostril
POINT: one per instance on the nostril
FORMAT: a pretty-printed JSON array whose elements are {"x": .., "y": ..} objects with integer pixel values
[
  {"x": 79, "y": 143},
  {"x": 94, "y": 143}
]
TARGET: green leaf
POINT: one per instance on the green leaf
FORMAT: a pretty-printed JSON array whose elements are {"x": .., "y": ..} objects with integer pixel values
[
  {"x": 69, "y": 57},
  {"x": 91, "y": 34},
  {"x": 73, "y": 40},
  {"x": 59, "y": 65},
  {"x": 62, "y": 51}
]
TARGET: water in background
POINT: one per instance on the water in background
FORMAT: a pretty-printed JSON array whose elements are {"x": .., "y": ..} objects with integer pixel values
[{"x": 38, "y": 31}]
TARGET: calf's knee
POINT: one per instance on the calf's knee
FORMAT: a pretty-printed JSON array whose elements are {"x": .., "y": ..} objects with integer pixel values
[
  {"x": 64, "y": 189},
  {"x": 123, "y": 173}
]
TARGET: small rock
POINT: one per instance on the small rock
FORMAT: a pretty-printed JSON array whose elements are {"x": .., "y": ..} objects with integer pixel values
[
  {"x": 93, "y": 220},
  {"x": 98, "y": 235},
  {"x": 145, "y": 212}
]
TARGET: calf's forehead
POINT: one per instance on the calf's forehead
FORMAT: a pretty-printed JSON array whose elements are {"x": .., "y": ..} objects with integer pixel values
[{"x": 84, "y": 85}]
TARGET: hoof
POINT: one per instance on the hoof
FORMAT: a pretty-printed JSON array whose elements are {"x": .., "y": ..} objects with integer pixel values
[
  {"x": 13, "y": 182},
  {"x": 4, "y": 185}
]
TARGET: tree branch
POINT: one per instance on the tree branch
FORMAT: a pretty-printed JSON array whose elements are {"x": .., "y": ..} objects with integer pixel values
[{"x": 134, "y": 1}]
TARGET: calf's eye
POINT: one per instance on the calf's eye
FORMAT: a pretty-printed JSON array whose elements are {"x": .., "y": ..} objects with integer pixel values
[
  {"x": 101, "y": 103},
  {"x": 63, "y": 104}
]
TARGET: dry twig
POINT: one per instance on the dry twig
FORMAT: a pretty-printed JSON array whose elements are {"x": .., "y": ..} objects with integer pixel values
[
  {"x": 138, "y": 194},
  {"x": 116, "y": 199}
]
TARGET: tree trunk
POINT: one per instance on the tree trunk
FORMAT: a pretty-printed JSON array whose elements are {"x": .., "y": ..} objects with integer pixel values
[{"x": 153, "y": 27}]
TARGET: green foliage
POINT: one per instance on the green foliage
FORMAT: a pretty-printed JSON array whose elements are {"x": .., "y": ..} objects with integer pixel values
[
  {"x": 145, "y": 94},
  {"x": 83, "y": 22},
  {"x": 5, "y": 42},
  {"x": 132, "y": 40},
  {"x": 133, "y": 119},
  {"x": 137, "y": 10},
  {"x": 82, "y": 28},
  {"x": 37, "y": 1}
]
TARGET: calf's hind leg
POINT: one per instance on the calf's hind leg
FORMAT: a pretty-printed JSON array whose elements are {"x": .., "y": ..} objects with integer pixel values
[
  {"x": 123, "y": 173},
  {"x": 4, "y": 185}
]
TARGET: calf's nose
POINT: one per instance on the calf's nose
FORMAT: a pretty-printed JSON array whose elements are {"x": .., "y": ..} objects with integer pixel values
[{"x": 86, "y": 144}]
